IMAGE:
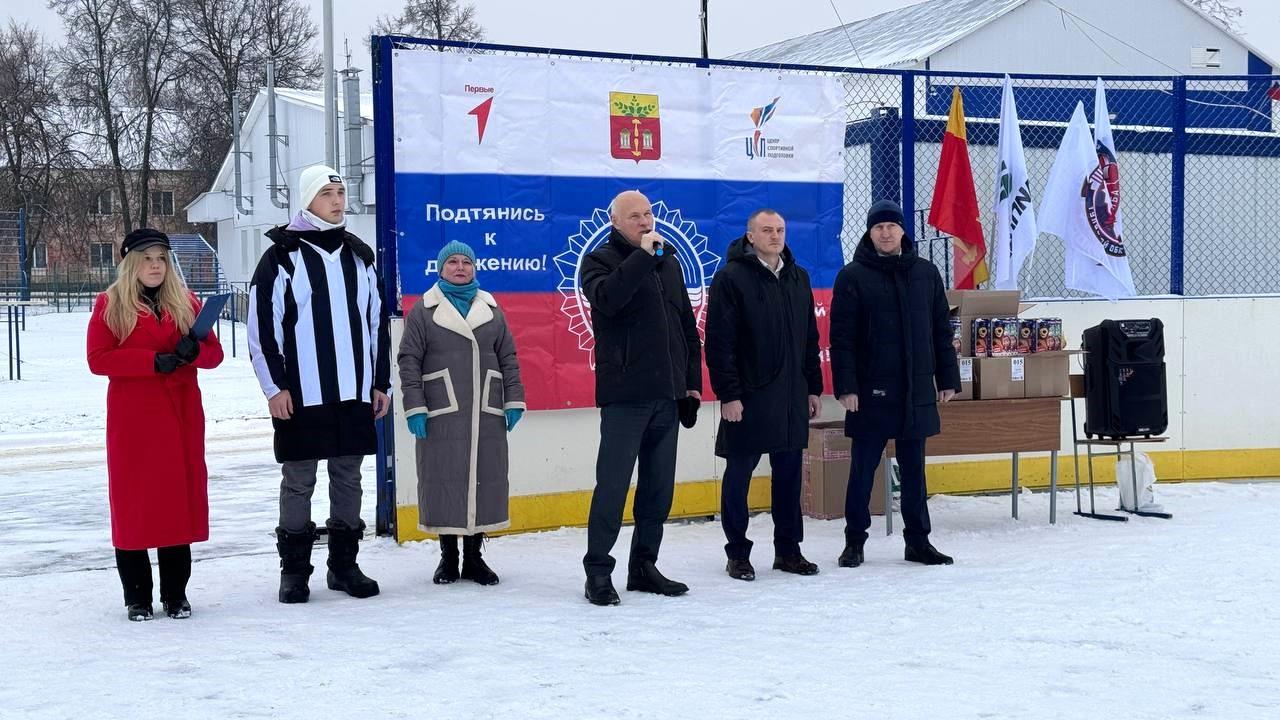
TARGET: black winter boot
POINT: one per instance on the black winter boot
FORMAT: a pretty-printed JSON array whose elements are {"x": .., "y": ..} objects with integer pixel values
[
  {"x": 295, "y": 563},
  {"x": 344, "y": 574},
  {"x": 852, "y": 556},
  {"x": 135, "y": 577},
  {"x": 473, "y": 566},
  {"x": 175, "y": 571},
  {"x": 447, "y": 570}
]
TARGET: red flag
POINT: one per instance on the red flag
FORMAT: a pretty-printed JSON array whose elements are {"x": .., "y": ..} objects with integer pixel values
[{"x": 954, "y": 209}]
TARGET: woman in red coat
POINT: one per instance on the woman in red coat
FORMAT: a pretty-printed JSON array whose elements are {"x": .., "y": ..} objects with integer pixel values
[{"x": 139, "y": 338}]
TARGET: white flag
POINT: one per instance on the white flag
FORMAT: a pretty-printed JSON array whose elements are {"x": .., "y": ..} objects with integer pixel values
[
  {"x": 1015, "y": 223},
  {"x": 1108, "y": 164},
  {"x": 1075, "y": 207}
]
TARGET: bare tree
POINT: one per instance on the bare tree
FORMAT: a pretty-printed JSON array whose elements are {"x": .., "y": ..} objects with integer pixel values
[
  {"x": 157, "y": 66},
  {"x": 122, "y": 62},
  {"x": 289, "y": 34},
  {"x": 1227, "y": 13},
  {"x": 227, "y": 44},
  {"x": 434, "y": 19},
  {"x": 36, "y": 142},
  {"x": 95, "y": 71}
]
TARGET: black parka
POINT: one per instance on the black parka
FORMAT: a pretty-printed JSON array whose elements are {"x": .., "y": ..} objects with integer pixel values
[
  {"x": 891, "y": 342},
  {"x": 646, "y": 338},
  {"x": 762, "y": 349}
]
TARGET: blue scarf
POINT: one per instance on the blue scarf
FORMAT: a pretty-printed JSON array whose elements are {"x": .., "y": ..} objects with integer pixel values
[{"x": 459, "y": 295}]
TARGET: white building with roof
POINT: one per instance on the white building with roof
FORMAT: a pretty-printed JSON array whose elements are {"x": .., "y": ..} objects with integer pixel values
[
  {"x": 268, "y": 198},
  {"x": 1078, "y": 37}
]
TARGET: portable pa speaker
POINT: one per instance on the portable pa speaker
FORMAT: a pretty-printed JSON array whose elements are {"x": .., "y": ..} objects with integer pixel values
[{"x": 1124, "y": 379}]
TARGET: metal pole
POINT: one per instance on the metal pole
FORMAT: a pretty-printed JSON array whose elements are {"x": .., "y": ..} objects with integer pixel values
[
  {"x": 702, "y": 18},
  {"x": 909, "y": 151},
  {"x": 1053, "y": 487},
  {"x": 1178, "y": 188},
  {"x": 24, "y": 280},
  {"x": 1015, "y": 486},
  {"x": 330, "y": 107}
]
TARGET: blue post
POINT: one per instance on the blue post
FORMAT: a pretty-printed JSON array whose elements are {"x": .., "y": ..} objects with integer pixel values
[
  {"x": 886, "y": 170},
  {"x": 1177, "y": 224},
  {"x": 909, "y": 151},
  {"x": 385, "y": 176}
]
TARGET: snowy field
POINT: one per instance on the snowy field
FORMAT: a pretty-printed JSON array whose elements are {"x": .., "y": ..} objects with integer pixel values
[{"x": 1087, "y": 619}]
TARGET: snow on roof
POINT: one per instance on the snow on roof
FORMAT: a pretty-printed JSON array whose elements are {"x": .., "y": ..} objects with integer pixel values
[
  {"x": 900, "y": 37},
  {"x": 315, "y": 98}
]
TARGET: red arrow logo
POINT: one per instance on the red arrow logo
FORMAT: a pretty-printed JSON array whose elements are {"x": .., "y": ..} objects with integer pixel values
[{"x": 481, "y": 112}]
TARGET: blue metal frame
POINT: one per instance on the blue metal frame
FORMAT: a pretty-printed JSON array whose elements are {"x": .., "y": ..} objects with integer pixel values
[
  {"x": 909, "y": 152},
  {"x": 1177, "y": 142},
  {"x": 1177, "y": 215},
  {"x": 384, "y": 168}
]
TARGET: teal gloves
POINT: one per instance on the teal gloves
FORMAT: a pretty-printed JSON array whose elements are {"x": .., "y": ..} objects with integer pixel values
[
  {"x": 418, "y": 425},
  {"x": 513, "y": 417}
]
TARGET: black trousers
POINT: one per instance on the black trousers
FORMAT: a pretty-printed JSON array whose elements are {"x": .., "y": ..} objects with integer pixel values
[
  {"x": 135, "y": 573},
  {"x": 914, "y": 497},
  {"x": 630, "y": 432},
  {"x": 788, "y": 527}
]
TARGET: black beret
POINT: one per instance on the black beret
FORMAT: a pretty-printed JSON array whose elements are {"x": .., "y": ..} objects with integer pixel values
[{"x": 143, "y": 238}]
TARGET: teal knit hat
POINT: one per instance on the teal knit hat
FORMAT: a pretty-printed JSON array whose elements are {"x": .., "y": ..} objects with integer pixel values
[{"x": 455, "y": 247}]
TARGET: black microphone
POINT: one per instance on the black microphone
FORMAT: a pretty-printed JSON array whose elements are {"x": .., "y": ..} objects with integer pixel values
[{"x": 657, "y": 246}]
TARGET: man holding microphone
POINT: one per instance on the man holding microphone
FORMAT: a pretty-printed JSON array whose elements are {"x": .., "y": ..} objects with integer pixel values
[{"x": 648, "y": 362}]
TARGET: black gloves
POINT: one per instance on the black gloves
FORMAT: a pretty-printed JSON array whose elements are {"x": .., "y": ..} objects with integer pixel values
[
  {"x": 188, "y": 349},
  {"x": 167, "y": 363}
]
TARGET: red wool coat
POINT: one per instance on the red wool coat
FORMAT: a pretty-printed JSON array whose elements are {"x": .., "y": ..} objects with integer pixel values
[{"x": 156, "y": 474}]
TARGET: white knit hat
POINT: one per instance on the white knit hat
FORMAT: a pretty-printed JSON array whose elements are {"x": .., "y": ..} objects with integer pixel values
[{"x": 312, "y": 180}]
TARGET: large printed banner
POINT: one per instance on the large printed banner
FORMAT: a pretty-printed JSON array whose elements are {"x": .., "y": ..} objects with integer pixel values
[{"x": 519, "y": 158}]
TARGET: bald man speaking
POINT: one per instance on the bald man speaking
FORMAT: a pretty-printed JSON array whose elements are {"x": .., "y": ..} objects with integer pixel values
[{"x": 648, "y": 357}]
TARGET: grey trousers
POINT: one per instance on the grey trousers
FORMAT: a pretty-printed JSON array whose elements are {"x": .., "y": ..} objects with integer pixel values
[{"x": 299, "y": 481}]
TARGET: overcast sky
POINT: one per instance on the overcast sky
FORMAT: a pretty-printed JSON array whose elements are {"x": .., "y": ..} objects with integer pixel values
[{"x": 658, "y": 27}]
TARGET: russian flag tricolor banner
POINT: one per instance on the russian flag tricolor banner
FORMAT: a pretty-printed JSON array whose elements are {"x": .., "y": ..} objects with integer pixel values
[{"x": 519, "y": 156}]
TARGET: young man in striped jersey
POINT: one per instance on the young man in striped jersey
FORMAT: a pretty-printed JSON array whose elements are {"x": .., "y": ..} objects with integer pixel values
[{"x": 319, "y": 342}]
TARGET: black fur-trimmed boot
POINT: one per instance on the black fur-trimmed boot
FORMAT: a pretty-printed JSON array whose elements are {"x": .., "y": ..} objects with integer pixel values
[
  {"x": 447, "y": 570},
  {"x": 295, "y": 563},
  {"x": 473, "y": 565},
  {"x": 344, "y": 574}
]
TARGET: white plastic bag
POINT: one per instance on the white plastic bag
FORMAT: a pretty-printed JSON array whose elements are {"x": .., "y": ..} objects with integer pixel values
[{"x": 1146, "y": 483}]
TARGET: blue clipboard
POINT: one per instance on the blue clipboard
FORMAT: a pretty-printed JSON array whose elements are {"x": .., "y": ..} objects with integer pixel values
[{"x": 209, "y": 315}]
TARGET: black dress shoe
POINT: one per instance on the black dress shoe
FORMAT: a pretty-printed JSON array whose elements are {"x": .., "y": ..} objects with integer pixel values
[
  {"x": 599, "y": 590},
  {"x": 646, "y": 578},
  {"x": 852, "y": 556},
  {"x": 795, "y": 564},
  {"x": 740, "y": 569},
  {"x": 926, "y": 554}
]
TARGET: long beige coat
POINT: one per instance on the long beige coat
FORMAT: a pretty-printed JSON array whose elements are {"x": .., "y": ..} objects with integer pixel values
[{"x": 461, "y": 372}]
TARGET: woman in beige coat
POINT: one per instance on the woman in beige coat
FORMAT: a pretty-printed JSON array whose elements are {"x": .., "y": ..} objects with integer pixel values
[{"x": 460, "y": 385}]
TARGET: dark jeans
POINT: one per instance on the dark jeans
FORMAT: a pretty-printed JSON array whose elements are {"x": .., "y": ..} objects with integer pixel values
[
  {"x": 914, "y": 497},
  {"x": 298, "y": 482},
  {"x": 788, "y": 528},
  {"x": 631, "y": 431},
  {"x": 135, "y": 573}
]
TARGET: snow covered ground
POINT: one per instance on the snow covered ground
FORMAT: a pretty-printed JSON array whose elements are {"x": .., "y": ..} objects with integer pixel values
[{"x": 1086, "y": 619}]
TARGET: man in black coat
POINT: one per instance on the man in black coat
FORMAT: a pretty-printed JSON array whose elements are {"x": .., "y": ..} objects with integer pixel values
[
  {"x": 648, "y": 357},
  {"x": 762, "y": 354},
  {"x": 891, "y": 362}
]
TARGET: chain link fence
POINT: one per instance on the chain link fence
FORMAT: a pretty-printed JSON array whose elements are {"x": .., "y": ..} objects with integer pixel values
[{"x": 1199, "y": 159}]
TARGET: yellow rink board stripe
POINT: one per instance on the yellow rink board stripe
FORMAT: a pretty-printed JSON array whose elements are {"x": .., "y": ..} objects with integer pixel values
[{"x": 702, "y": 498}]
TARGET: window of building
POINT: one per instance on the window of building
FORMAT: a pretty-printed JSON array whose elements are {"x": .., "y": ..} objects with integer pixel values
[
  {"x": 105, "y": 203},
  {"x": 102, "y": 255},
  {"x": 161, "y": 203},
  {"x": 39, "y": 257}
]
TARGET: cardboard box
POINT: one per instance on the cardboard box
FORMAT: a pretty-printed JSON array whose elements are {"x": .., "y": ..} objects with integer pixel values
[
  {"x": 970, "y": 304},
  {"x": 999, "y": 378},
  {"x": 966, "y": 380},
  {"x": 1048, "y": 375},
  {"x": 825, "y": 475}
]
